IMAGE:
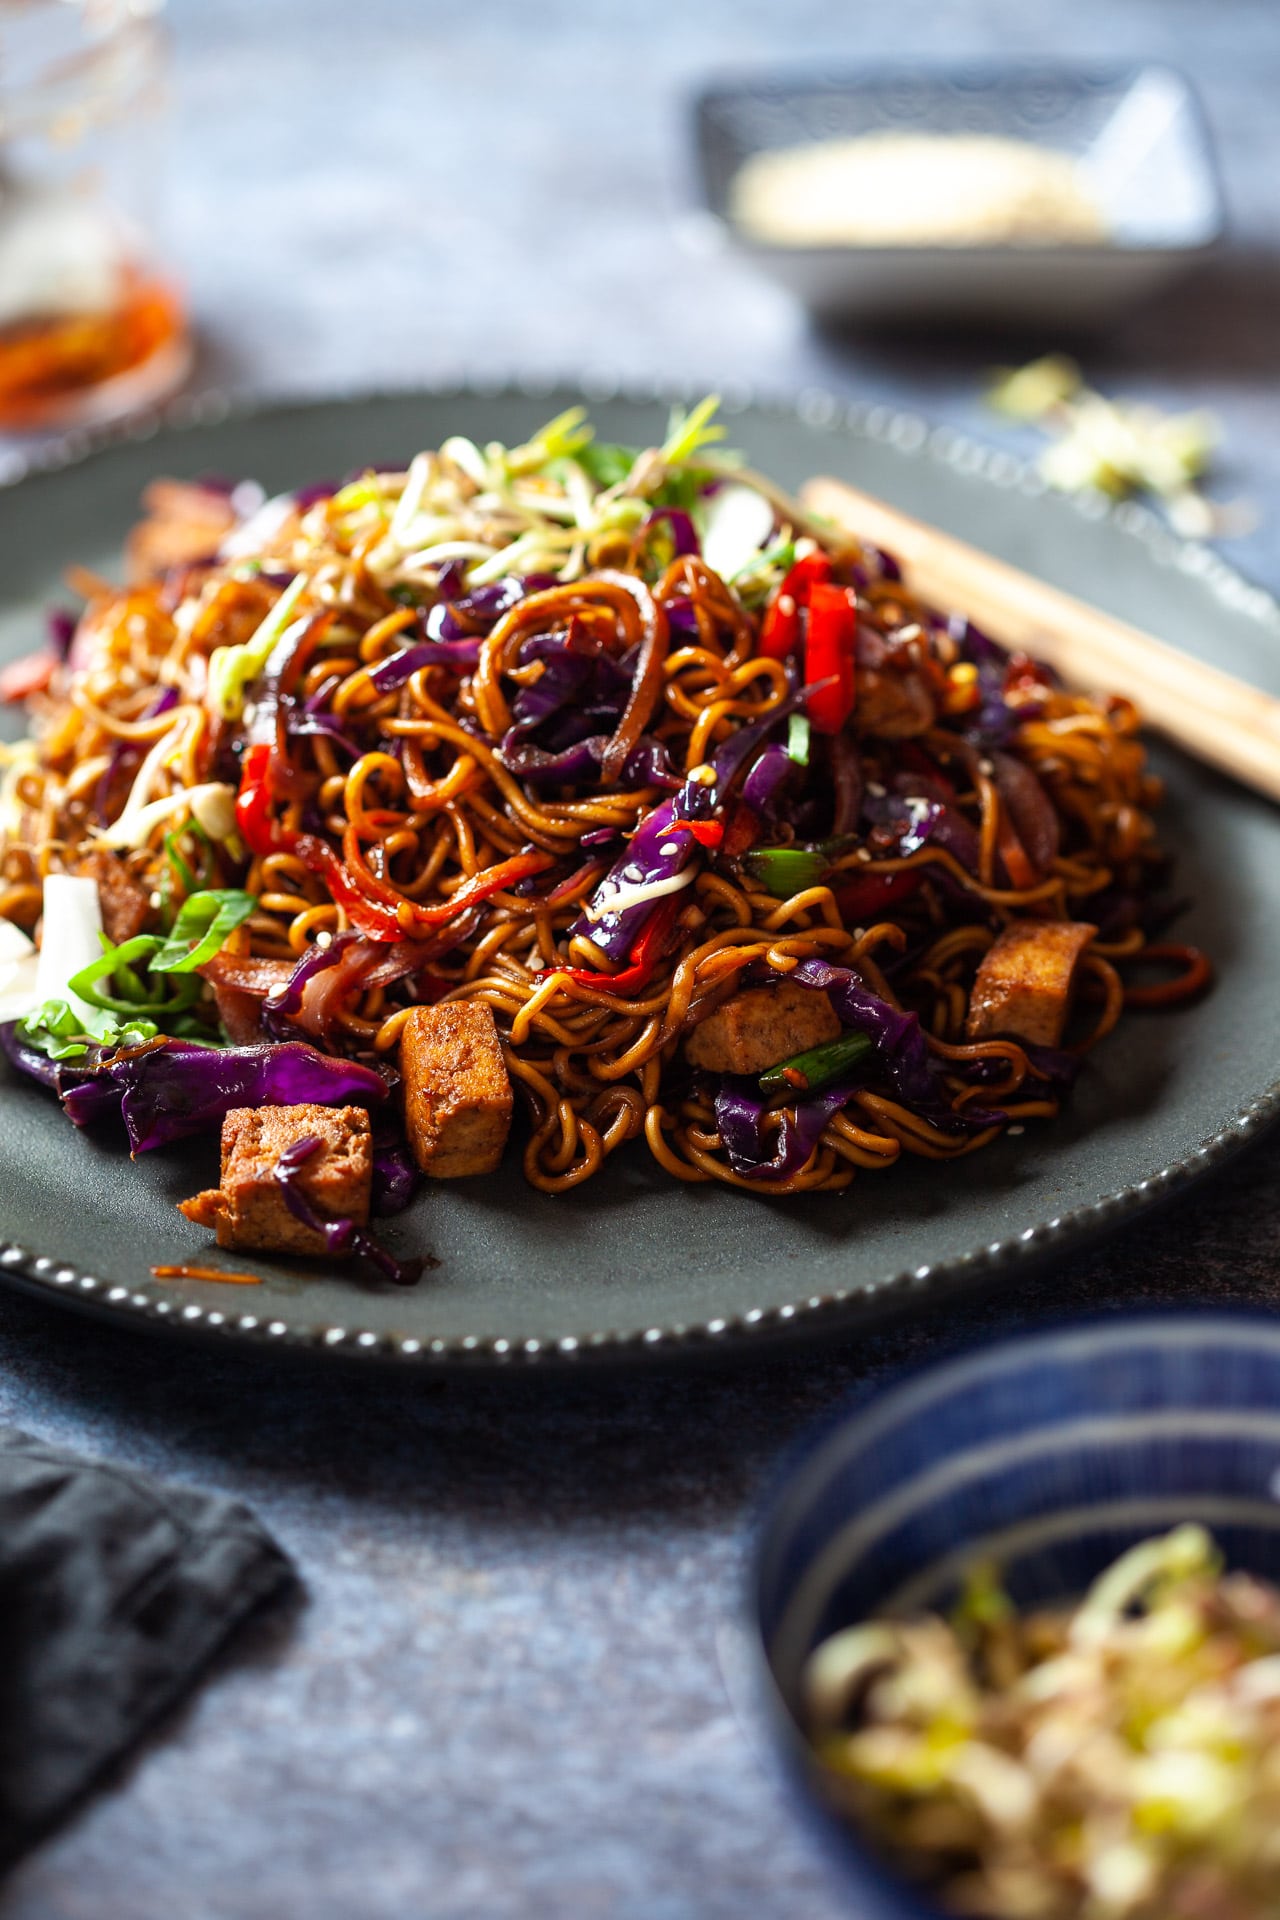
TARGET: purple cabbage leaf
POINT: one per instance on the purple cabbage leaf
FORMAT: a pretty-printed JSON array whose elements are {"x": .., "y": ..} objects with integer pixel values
[{"x": 341, "y": 1235}]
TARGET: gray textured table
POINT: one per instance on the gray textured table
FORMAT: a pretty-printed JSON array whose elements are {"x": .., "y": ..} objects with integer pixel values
[{"x": 501, "y": 1696}]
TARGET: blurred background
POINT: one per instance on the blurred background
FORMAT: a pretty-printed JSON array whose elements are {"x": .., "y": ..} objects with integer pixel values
[{"x": 407, "y": 191}]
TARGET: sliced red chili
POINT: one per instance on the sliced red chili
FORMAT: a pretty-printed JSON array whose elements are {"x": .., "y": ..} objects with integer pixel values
[
  {"x": 645, "y": 955},
  {"x": 830, "y": 636},
  {"x": 257, "y": 827},
  {"x": 864, "y": 897},
  {"x": 780, "y": 632},
  {"x": 742, "y": 831},
  {"x": 379, "y": 913},
  {"x": 29, "y": 674}
]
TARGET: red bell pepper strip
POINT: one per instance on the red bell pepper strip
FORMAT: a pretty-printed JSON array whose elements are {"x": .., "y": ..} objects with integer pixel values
[
  {"x": 258, "y": 829},
  {"x": 742, "y": 831},
  {"x": 381, "y": 918},
  {"x": 645, "y": 956},
  {"x": 780, "y": 630},
  {"x": 863, "y": 897},
  {"x": 25, "y": 676},
  {"x": 830, "y": 637}
]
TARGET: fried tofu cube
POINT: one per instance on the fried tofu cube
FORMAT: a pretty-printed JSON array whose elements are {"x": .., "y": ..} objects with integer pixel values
[
  {"x": 1024, "y": 982},
  {"x": 457, "y": 1095},
  {"x": 757, "y": 1029},
  {"x": 249, "y": 1209}
]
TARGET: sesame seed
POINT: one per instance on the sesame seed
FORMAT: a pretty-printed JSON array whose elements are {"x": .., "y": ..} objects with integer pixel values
[
  {"x": 863, "y": 853},
  {"x": 324, "y": 938},
  {"x": 156, "y": 901},
  {"x": 875, "y": 790},
  {"x": 985, "y": 766},
  {"x": 1014, "y": 1131}
]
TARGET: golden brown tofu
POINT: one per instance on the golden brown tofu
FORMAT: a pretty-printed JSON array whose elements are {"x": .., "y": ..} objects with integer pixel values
[
  {"x": 457, "y": 1096},
  {"x": 1023, "y": 986},
  {"x": 249, "y": 1209},
  {"x": 759, "y": 1028}
]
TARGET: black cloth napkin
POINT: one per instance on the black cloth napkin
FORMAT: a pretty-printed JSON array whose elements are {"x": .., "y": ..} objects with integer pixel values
[{"x": 115, "y": 1589}]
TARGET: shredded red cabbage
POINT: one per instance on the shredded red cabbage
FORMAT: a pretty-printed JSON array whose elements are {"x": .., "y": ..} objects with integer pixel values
[
  {"x": 172, "y": 1088},
  {"x": 458, "y": 614},
  {"x": 455, "y": 625},
  {"x": 60, "y": 1076},
  {"x": 912, "y": 820},
  {"x": 462, "y": 656},
  {"x": 645, "y": 859},
  {"x": 740, "y": 1120},
  {"x": 681, "y": 616},
  {"x": 766, "y": 780},
  {"x": 312, "y": 725},
  {"x": 396, "y": 1176},
  {"x": 902, "y": 1054},
  {"x": 340, "y": 1235},
  {"x": 61, "y": 624},
  {"x": 580, "y": 689},
  {"x": 684, "y": 534},
  {"x": 647, "y": 765}
]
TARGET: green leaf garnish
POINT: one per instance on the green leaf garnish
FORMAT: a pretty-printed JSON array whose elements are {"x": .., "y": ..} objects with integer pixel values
[
  {"x": 57, "y": 1030},
  {"x": 688, "y": 432},
  {"x": 204, "y": 924},
  {"x": 606, "y": 464}
]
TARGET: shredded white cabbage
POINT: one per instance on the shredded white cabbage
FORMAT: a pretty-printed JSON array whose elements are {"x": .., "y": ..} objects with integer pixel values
[
  {"x": 1116, "y": 1762},
  {"x": 70, "y": 938},
  {"x": 637, "y": 896}
]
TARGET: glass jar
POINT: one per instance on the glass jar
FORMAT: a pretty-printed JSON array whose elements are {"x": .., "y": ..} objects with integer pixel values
[{"x": 91, "y": 323}]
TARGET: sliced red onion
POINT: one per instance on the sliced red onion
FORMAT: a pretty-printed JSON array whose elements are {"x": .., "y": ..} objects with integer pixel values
[
  {"x": 846, "y": 780},
  {"x": 1030, "y": 809}
]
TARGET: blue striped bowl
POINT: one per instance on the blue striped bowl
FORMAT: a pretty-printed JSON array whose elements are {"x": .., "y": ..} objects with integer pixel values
[{"x": 1049, "y": 1454}]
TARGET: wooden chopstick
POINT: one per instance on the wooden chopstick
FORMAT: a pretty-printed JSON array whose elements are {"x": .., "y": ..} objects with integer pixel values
[{"x": 1219, "y": 719}]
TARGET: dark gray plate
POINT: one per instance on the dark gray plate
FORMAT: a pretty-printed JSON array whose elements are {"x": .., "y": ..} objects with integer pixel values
[{"x": 635, "y": 1263}]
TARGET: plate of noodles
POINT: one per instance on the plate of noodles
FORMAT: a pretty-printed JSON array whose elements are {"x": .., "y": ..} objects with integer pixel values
[{"x": 494, "y": 877}]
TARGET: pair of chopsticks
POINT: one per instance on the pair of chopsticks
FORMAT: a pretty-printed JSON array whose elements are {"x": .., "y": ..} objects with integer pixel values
[{"x": 1221, "y": 720}]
